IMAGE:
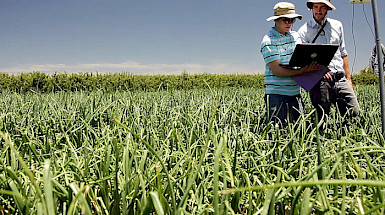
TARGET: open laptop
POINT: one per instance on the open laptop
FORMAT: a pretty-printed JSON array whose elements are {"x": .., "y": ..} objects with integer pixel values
[{"x": 306, "y": 53}]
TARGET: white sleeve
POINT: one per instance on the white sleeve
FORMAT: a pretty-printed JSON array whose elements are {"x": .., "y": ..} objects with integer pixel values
[{"x": 302, "y": 34}]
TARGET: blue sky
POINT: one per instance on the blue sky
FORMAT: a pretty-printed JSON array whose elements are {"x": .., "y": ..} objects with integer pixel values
[{"x": 156, "y": 36}]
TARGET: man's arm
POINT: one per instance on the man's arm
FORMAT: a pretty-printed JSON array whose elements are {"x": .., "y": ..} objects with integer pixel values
[
  {"x": 283, "y": 72},
  {"x": 305, "y": 32},
  {"x": 347, "y": 70}
]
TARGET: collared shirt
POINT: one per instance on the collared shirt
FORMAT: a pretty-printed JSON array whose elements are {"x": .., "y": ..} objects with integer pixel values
[
  {"x": 333, "y": 33},
  {"x": 276, "y": 46}
]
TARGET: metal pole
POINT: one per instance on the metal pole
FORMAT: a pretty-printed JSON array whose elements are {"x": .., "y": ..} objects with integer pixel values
[{"x": 380, "y": 64}]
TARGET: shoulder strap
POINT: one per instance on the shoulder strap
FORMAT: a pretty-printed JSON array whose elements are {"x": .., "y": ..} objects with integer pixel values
[{"x": 319, "y": 32}]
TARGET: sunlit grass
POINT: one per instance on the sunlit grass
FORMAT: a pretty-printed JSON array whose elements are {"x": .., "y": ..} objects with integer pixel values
[{"x": 185, "y": 152}]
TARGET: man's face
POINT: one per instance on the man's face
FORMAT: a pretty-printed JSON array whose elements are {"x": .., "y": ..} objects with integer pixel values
[
  {"x": 283, "y": 25},
  {"x": 319, "y": 11}
]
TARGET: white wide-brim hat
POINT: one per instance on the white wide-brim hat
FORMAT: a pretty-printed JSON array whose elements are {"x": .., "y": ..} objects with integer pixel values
[
  {"x": 309, "y": 3},
  {"x": 284, "y": 9}
]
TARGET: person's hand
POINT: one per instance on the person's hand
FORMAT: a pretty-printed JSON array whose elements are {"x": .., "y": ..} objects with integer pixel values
[
  {"x": 310, "y": 68},
  {"x": 328, "y": 77},
  {"x": 350, "y": 81}
]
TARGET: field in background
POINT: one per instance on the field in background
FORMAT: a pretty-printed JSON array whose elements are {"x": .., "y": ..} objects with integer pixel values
[
  {"x": 203, "y": 151},
  {"x": 43, "y": 83}
]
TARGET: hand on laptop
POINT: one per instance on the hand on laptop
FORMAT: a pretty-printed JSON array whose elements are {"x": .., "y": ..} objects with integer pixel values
[{"x": 310, "y": 68}]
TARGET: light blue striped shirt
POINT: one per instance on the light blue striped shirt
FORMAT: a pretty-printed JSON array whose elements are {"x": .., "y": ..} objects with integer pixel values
[
  {"x": 276, "y": 46},
  {"x": 333, "y": 34}
]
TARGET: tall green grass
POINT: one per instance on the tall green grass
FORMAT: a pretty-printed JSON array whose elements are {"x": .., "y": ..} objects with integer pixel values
[{"x": 185, "y": 152}]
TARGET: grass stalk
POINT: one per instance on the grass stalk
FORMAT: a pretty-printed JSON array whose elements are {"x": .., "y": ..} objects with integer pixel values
[{"x": 217, "y": 159}]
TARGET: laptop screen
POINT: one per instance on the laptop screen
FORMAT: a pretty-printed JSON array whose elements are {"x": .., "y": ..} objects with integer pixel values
[{"x": 306, "y": 53}]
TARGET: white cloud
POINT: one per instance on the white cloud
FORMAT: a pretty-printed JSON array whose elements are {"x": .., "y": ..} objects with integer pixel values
[{"x": 136, "y": 68}]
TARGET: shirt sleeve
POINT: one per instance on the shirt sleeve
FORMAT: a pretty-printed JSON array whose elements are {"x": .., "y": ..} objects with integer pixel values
[
  {"x": 297, "y": 38},
  {"x": 302, "y": 34},
  {"x": 343, "y": 50},
  {"x": 269, "y": 51}
]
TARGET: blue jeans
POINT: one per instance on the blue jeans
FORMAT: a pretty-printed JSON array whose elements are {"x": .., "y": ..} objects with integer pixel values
[{"x": 282, "y": 107}]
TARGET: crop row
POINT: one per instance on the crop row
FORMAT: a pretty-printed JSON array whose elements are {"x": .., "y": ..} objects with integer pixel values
[{"x": 41, "y": 82}]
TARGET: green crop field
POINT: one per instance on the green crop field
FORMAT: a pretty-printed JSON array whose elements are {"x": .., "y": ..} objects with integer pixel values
[{"x": 203, "y": 151}]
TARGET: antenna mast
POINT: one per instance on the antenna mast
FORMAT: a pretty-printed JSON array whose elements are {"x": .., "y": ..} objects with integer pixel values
[{"x": 379, "y": 58}]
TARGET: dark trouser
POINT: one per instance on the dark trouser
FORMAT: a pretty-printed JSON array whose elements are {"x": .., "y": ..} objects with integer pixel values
[
  {"x": 338, "y": 92},
  {"x": 283, "y": 107}
]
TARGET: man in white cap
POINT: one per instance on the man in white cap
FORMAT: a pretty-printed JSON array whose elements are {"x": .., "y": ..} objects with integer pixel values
[
  {"x": 336, "y": 87},
  {"x": 282, "y": 93}
]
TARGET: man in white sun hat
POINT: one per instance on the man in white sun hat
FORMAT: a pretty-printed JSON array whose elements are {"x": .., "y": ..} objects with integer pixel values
[
  {"x": 336, "y": 86},
  {"x": 282, "y": 93}
]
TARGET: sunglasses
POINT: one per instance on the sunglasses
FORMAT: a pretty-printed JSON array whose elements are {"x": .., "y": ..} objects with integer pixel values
[{"x": 288, "y": 20}]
